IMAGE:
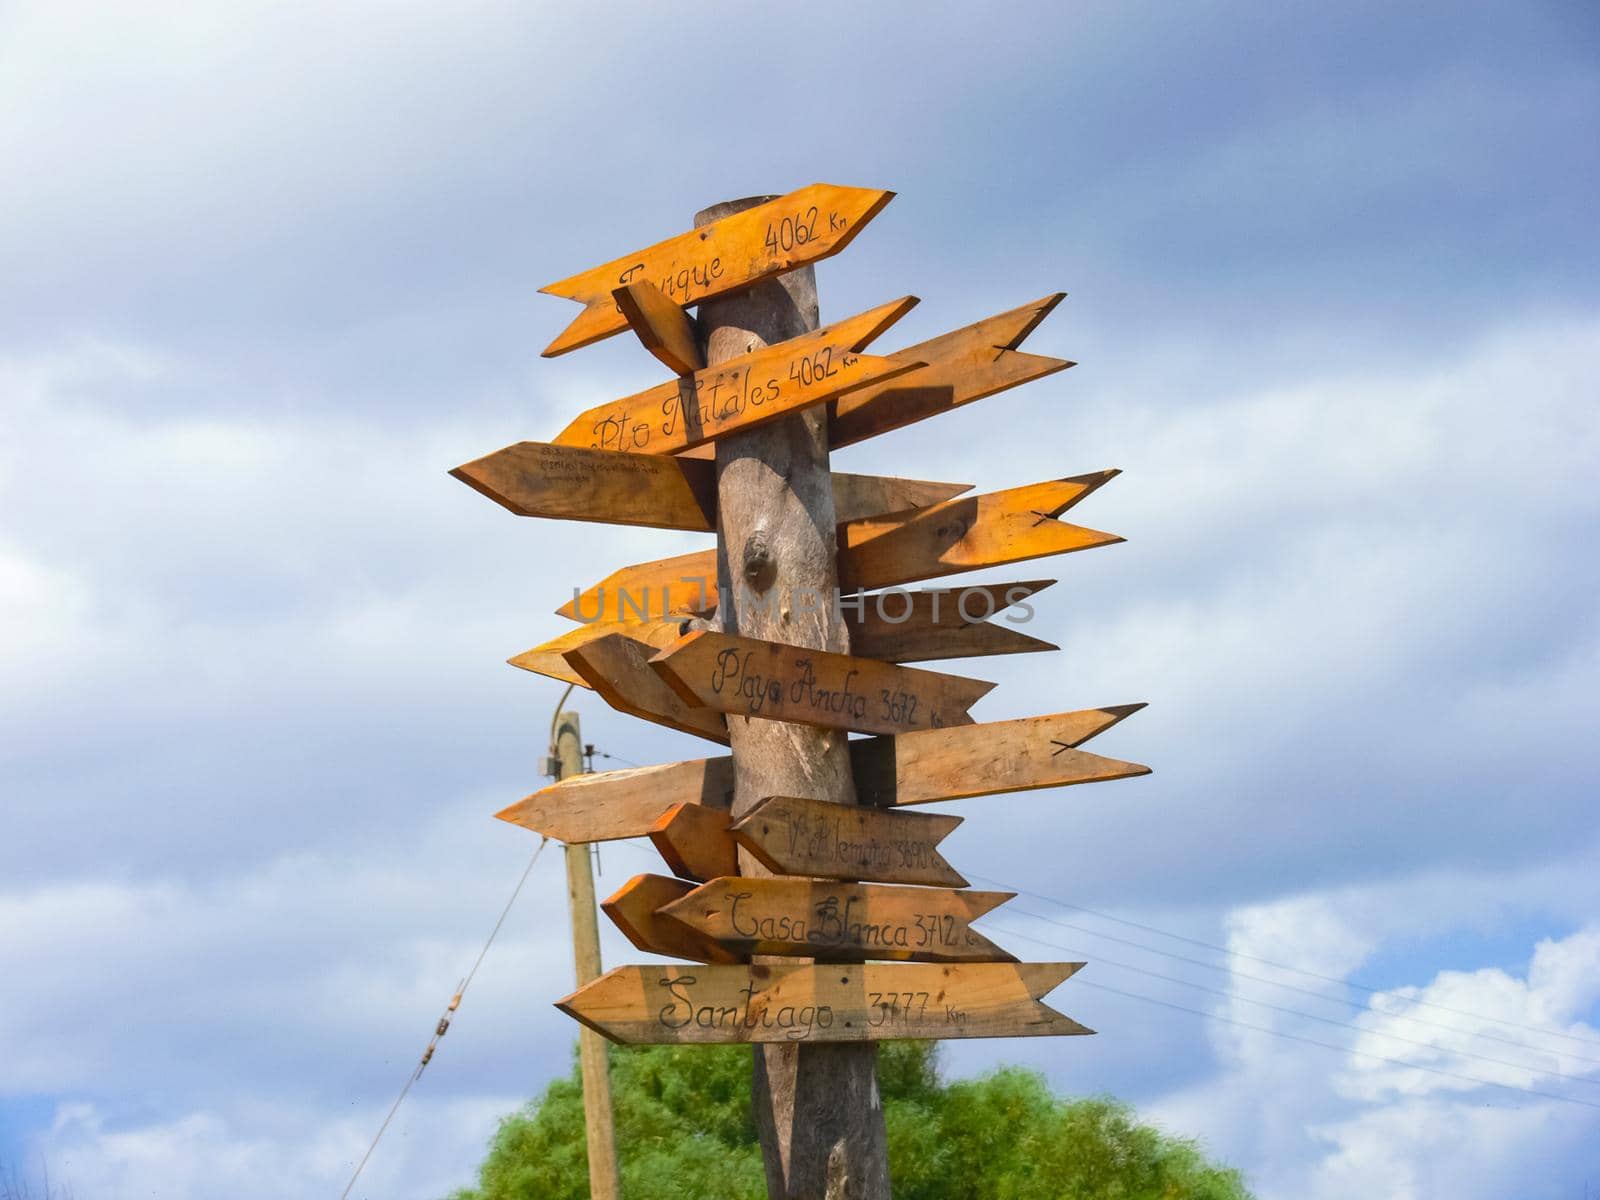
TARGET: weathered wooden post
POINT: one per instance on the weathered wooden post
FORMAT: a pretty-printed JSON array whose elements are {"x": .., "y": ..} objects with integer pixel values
[{"x": 817, "y": 1106}]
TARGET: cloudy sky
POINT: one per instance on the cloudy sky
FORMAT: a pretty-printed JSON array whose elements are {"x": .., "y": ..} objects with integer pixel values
[{"x": 270, "y": 270}]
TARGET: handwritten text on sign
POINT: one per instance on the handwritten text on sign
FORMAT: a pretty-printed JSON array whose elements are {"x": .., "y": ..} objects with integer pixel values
[
  {"x": 797, "y": 836},
  {"x": 841, "y": 920},
  {"x": 822, "y": 1003},
  {"x": 744, "y": 391},
  {"x": 754, "y": 678}
]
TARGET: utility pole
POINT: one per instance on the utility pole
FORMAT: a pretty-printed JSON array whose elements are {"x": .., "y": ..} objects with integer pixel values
[
  {"x": 816, "y": 1106},
  {"x": 604, "y": 1184}
]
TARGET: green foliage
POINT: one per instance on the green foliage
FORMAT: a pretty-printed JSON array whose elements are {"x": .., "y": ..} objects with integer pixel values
[{"x": 684, "y": 1132}]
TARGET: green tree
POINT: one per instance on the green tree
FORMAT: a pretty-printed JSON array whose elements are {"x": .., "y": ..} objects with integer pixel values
[{"x": 684, "y": 1132}]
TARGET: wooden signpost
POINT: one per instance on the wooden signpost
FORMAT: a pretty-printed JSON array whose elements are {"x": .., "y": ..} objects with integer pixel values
[
  {"x": 752, "y": 678},
  {"x": 841, "y": 922},
  {"x": 746, "y": 391},
  {"x": 823, "y": 1003},
  {"x": 724, "y": 256},
  {"x": 797, "y": 845}
]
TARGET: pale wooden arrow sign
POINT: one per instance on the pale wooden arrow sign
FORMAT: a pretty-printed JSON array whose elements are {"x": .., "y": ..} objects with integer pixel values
[
  {"x": 966, "y": 533},
  {"x": 839, "y": 1002},
  {"x": 845, "y": 922},
  {"x": 916, "y": 768},
  {"x": 752, "y": 678},
  {"x": 618, "y": 669},
  {"x": 695, "y": 842},
  {"x": 793, "y": 835},
  {"x": 633, "y": 909},
  {"x": 575, "y": 483},
  {"x": 720, "y": 257},
  {"x": 962, "y": 366},
  {"x": 746, "y": 391},
  {"x": 921, "y": 626}
]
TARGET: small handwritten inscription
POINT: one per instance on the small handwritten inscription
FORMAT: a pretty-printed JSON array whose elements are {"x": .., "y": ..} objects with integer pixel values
[
  {"x": 751, "y": 1012},
  {"x": 700, "y": 405},
  {"x": 845, "y": 923},
  {"x": 835, "y": 843}
]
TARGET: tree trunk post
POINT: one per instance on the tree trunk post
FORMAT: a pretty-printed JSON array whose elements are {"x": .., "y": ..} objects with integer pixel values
[{"x": 817, "y": 1106}]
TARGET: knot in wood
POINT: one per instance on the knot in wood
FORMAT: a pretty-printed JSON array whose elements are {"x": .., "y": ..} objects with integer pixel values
[{"x": 759, "y": 567}]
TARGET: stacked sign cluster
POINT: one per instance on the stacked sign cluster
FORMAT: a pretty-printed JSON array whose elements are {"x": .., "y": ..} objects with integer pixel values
[{"x": 878, "y": 922}]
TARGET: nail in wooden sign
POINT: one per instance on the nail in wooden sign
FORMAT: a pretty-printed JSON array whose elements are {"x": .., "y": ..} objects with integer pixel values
[
  {"x": 836, "y": 921},
  {"x": 575, "y": 483},
  {"x": 633, "y": 909},
  {"x": 916, "y": 768},
  {"x": 746, "y": 391},
  {"x": 721, "y": 257},
  {"x": 792, "y": 835},
  {"x": 618, "y": 669},
  {"x": 764, "y": 1002},
  {"x": 752, "y": 678},
  {"x": 961, "y": 366}
]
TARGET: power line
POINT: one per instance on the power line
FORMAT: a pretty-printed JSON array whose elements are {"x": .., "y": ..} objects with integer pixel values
[
  {"x": 444, "y": 1020},
  {"x": 1371, "y": 991},
  {"x": 1294, "y": 1012},
  {"x": 1295, "y": 1037},
  {"x": 1316, "y": 995}
]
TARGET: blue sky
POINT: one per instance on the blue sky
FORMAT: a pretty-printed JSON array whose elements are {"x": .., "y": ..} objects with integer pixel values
[{"x": 272, "y": 269}]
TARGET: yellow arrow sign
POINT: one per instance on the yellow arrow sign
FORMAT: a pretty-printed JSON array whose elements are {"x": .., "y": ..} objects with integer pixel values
[
  {"x": 746, "y": 391},
  {"x": 770, "y": 1002},
  {"x": 720, "y": 257}
]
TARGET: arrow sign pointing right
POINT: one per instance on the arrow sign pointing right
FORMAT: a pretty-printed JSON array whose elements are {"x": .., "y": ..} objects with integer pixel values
[{"x": 792, "y": 835}]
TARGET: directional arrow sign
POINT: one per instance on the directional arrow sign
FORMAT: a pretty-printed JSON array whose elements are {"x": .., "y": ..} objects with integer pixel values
[
  {"x": 575, "y": 483},
  {"x": 753, "y": 678},
  {"x": 720, "y": 257},
  {"x": 695, "y": 841},
  {"x": 915, "y": 768},
  {"x": 745, "y": 391},
  {"x": 633, "y": 910},
  {"x": 963, "y": 534},
  {"x": 618, "y": 668},
  {"x": 792, "y": 835},
  {"x": 836, "y": 921},
  {"x": 967, "y": 533},
  {"x": 824, "y": 1003},
  {"x": 962, "y": 366},
  {"x": 937, "y": 623}
]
